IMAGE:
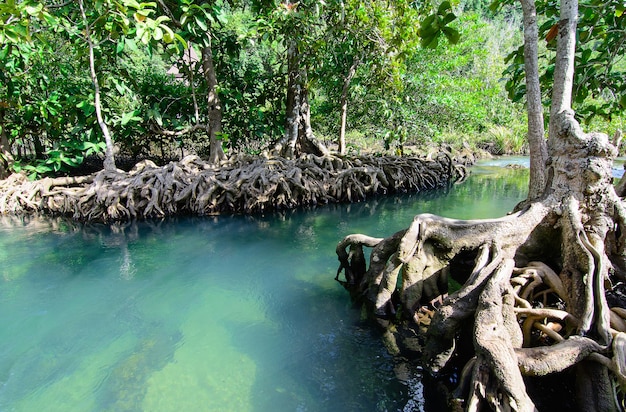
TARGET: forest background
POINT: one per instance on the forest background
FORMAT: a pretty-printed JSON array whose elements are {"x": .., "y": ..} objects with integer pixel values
[{"x": 411, "y": 77}]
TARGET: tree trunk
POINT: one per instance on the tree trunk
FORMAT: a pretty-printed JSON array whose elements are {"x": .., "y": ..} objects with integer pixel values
[
  {"x": 294, "y": 95},
  {"x": 192, "y": 83},
  {"x": 6, "y": 159},
  {"x": 344, "y": 107},
  {"x": 533, "y": 282},
  {"x": 299, "y": 137},
  {"x": 37, "y": 145},
  {"x": 109, "y": 159},
  {"x": 589, "y": 301},
  {"x": 536, "y": 133},
  {"x": 215, "y": 107},
  {"x": 564, "y": 65}
]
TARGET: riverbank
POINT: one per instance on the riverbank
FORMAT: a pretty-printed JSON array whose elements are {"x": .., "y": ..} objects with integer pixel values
[{"x": 241, "y": 185}]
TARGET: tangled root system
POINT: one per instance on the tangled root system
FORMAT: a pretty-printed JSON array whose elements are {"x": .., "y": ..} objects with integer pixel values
[{"x": 243, "y": 184}]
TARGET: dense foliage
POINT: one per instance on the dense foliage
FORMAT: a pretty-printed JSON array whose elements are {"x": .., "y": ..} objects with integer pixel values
[
  {"x": 390, "y": 74},
  {"x": 447, "y": 94},
  {"x": 600, "y": 88}
]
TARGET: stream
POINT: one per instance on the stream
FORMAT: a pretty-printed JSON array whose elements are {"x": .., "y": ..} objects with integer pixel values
[{"x": 229, "y": 313}]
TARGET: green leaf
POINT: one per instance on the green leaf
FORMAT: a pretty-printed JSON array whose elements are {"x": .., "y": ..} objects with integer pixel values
[
  {"x": 158, "y": 33},
  {"x": 181, "y": 40},
  {"x": 120, "y": 46},
  {"x": 429, "y": 27},
  {"x": 519, "y": 93},
  {"x": 131, "y": 44},
  {"x": 11, "y": 35},
  {"x": 581, "y": 95},
  {"x": 444, "y": 7},
  {"x": 4, "y": 51},
  {"x": 86, "y": 106},
  {"x": 50, "y": 19},
  {"x": 220, "y": 15},
  {"x": 130, "y": 117},
  {"x": 430, "y": 42},
  {"x": 428, "y": 21},
  {"x": 145, "y": 37},
  {"x": 121, "y": 89},
  {"x": 585, "y": 55},
  {"x": 493, "y": 7},
  {"x": 452, "y": 35},
  {"x": 202, "y": 23},
  {"x": 126, "y": 117},
  {"x": 168, "y": 34},
  {"x": 450, "y": 17}
]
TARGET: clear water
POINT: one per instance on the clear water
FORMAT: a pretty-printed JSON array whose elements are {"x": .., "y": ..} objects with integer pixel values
[
  {"x": 524, "y": 161},
  {"x": 208, "y": 314}
]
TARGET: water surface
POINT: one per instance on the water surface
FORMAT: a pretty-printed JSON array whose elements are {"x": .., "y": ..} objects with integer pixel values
[{"x": 208, "y": 314}]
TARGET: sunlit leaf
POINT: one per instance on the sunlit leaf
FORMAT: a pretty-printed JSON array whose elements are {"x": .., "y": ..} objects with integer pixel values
[
  {"x": 202, "y": 23},
  {"x": 158, "y": 34},
  {"x": 168, "y": 34},
  {"x": 120, "y": 46},
  {"x": 34, "y": 10}
]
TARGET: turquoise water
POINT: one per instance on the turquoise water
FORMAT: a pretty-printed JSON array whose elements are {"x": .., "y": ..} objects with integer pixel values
[
  {"x": 524, "y": 161},
  {"x": 208, "y": 314}
]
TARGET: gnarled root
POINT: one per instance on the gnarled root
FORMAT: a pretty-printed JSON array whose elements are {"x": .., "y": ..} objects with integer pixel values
[
  {"x": 241, "y": 185},
  {"x": 530, "y": 320},
  {"x": 526, "y": 320},
  {"x": 544, "y": 316}
]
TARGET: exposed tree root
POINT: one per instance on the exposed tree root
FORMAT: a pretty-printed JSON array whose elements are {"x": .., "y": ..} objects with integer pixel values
[
  {"x": 240, "y": 185},
  {"x": 533, "y": 285}
]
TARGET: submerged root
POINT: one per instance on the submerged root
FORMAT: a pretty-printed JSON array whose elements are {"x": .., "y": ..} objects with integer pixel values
[
  {"x": 241, "y": 185},
  {"x": 526, "y": 321}
]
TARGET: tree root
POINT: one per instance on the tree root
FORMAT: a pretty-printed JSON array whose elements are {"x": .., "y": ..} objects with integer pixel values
[
  {"x": 241, "y": 185},
  {"x": 533, "y": 285},
  {"x": 522, "y": 323}
]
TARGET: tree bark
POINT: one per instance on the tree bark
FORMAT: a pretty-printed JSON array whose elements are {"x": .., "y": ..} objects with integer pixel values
[
  {"x": 299, "y": 137},
  {"x": 192, "y": 84},
  {"x": 109, "y": 159},
  {"x": 6, "y": 159},
  {"x": 534, "y": 107},
  {"x": 215, "y": 107},
  {"x": 344, "y": 106},
  {"x": 564, "y": 65},
  {"x": 294, "y": 95}
]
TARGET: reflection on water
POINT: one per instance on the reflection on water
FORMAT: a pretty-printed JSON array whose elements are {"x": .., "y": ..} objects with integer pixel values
[{"x": 208, "y": 314}]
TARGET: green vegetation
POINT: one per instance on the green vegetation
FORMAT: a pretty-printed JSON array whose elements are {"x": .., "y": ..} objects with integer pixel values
[
  {"x": 600, "y": 88},
  {"x": 450, "y": 94},
  {"x": 179, "y": 76}
]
